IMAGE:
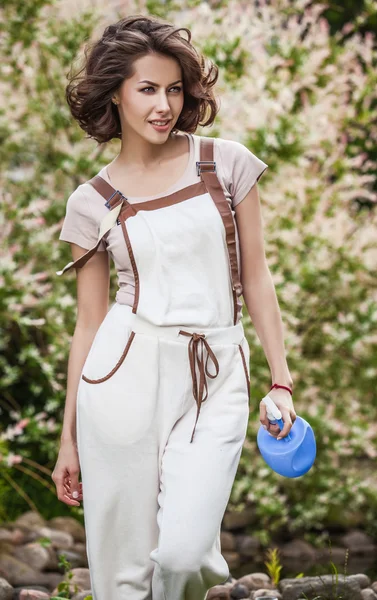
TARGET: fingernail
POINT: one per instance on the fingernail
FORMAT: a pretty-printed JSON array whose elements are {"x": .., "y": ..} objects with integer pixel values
[{"x": 75, "y": 494}]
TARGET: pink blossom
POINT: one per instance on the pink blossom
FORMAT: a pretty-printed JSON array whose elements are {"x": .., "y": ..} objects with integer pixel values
[
  {"x": 16, "y": 459},
  {"x": 13, "y": 459},
  {"x": 41, "y": 276},
  {"x": 40, "y": 415}
]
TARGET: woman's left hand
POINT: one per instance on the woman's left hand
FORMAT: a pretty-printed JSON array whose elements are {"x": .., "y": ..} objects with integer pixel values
[{"x": 283, "y": 400}]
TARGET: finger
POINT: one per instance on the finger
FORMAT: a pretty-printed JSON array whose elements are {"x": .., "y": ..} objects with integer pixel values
[
  {"x": 263, "y": 414},
  {"x": 70, "y": 501},
  {"x": 68, "y": 481},
  {"x": 287, "y": 426},
  {"x": 75, "y": 487},
  {"x": 62, "y": 495},
  {"x": 274, "y": 429},
  {"x": 69, "y": 485},
  {"x": 70, "y": 489}
]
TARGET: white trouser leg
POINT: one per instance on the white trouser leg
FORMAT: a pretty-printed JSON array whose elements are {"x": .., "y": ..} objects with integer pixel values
[
  {"x": 196, "y": 482},
  {"x": 119, "y": 463}
]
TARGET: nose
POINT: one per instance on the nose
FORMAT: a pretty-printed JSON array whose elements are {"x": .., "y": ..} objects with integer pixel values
[{"x": 162, "y": 102}]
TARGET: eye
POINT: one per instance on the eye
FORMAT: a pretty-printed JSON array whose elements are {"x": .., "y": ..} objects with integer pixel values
[{"x": 152, "y": 88}]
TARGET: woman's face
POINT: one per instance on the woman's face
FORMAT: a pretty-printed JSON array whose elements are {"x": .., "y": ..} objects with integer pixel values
[{"x": 154, "y": 92}]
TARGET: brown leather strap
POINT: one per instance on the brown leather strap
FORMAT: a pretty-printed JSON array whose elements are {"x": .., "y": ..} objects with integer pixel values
[
  {"x": 106, "y": 224},
  {"x": 111, "y": 195},
  {"x": 207, "y": 170},
  {"x": 198, "y": 339},
  {"x": 114, "y": 199}
]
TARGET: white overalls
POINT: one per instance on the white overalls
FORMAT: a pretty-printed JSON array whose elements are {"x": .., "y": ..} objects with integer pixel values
[{"x": 154, "y": 494}]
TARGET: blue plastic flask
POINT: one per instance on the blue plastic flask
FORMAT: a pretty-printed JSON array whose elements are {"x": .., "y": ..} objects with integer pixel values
[{"x": 293, "y": 455}]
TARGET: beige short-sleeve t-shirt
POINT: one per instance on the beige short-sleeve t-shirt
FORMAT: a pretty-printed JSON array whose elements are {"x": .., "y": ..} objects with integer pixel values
[{"x": 238, "y": 169}]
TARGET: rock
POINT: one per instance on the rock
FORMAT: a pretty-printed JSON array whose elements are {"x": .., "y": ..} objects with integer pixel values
[
  {"x": 358, "y": 542},
  {"x": 238, "y": 520},
  {"x": 6, "y": 590},
  {"x": 75, "y": 559},
  {"x": 218, "y": 592},
  {"x": 233, "y": 559},
  {"x": 53, "y": 561},
  {"x": 5, "y": 535},
  {"x": 273, "y": 594},
  {"x": 363, "y": 580},
  {"x": 59, "y": 539},
  {"x": 69, "y": 525},
  {"x": 227, "y": 541},
  {"x": 18, "y": 590},
  {"x": 30, "y": 520},
  {"x": 19, "y": 573},
  {"x": 247, "y": 545},
  {"x": 18, "y": 536},
  {"x": 239, "y": 591},
  {"x": 80, "y": 547},
  {"x": 255, "y": 581},
  {"x": 337, "y": 555},
  {"x": 16, "y": 571},
  {"x": 374, "y": 586},
  {"x": 298, "y": 549},
  {"x": 7, "y": 548},
  {"x": 14, "y": 536},
  {"x": 368, "y": 594},
  {"x": 51, "y": 580},
  {"x": 34, "y": 555},
  {"x": 33, "y": 595},
  {"x": 295, "y": 589}
]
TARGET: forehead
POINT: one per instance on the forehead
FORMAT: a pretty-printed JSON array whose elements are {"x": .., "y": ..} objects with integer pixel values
[{"x": 156, "y": 67}]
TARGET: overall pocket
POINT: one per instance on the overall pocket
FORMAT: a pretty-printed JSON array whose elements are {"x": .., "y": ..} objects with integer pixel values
[
  {"x": 109, "y": 348},
  {"x": 116, "y": 366}
]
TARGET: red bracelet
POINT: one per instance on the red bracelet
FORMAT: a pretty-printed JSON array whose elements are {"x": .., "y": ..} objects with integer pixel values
[{"x": 277, "y": 385}]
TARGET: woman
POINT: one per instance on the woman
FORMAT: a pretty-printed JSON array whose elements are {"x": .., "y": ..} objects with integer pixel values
[{"x": 162, "y": 378}]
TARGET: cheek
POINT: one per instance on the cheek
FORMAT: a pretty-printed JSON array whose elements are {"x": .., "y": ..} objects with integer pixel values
[{"x": 136, "y": 105}]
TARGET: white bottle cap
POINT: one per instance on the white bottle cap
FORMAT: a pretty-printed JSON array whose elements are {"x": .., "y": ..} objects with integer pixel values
[{"x": 273, "y": 413}]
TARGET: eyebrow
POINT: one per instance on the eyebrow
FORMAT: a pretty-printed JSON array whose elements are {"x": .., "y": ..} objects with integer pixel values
[{"x": 156, "y": 84}]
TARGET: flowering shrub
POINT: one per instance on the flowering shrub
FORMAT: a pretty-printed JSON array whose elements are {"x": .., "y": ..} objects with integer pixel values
[{"x": 302, "y": 101}]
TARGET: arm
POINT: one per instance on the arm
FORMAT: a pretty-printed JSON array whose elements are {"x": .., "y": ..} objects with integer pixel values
[
  {"x": 260, "y": 298},
  {"x": 93, "y": 282}
]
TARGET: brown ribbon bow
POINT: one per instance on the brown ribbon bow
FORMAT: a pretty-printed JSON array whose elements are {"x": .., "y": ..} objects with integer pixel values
[{"x": 196, "y": 359}]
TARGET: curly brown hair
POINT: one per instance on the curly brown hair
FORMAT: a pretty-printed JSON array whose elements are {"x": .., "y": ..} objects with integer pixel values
[{"x": 109, "y": 60}]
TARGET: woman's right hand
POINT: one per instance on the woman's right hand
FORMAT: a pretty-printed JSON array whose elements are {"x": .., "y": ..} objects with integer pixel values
[{"x": 66, "y": 474}]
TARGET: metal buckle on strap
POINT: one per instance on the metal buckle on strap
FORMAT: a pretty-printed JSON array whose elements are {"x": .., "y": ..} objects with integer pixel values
[
  {"x": 205, "y": 162},
  {"x": 107, "y": 203}
]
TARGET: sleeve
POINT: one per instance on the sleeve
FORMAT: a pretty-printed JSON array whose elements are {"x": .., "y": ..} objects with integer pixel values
[
  {"x": 79, "y": 225},
  {"x": 242, "y": 169}
]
